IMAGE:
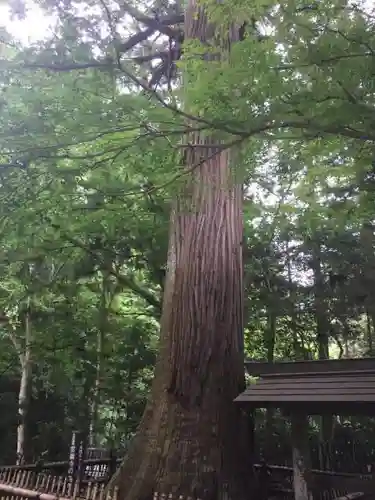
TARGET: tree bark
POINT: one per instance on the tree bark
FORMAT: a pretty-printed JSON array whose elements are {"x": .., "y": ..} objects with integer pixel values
[{"x": 193, "y": 440}]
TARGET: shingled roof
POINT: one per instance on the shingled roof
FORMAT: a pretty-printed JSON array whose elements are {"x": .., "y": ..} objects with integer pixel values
[{"x": 314, "y": 388}]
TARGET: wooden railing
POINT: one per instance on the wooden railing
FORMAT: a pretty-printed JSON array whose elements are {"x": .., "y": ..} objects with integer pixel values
[
  {"x": 30, "y": 485},
  {"x": 27, "y": 481}
]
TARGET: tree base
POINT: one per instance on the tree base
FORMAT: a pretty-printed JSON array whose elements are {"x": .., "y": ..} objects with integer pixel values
[{"x": 188, "y": 452}]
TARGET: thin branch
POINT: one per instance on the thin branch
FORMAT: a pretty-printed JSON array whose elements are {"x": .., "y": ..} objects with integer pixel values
[
  {"x": 322, "y": 61},
  {"x": 70, "y": 66}
]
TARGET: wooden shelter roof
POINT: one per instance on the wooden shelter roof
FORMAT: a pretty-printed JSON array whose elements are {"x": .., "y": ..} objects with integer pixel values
[{"x": 314, "y": 387}]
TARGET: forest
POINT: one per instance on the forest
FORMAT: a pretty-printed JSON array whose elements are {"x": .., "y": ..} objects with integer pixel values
[{"x": 181, "y": 187}]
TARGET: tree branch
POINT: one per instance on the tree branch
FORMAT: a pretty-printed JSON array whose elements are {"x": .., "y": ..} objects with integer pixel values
[
  {"x": 124, "y": 280},
  {"x": 135, "y": 287},
  {"x": 161, "y": 25},
  {"x": 131, "y": 42}
]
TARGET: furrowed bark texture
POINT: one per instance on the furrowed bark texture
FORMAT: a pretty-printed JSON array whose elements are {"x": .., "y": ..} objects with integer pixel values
[{"x": 193, "y": 440}]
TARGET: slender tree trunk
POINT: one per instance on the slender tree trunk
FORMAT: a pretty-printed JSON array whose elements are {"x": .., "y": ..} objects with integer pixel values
[
  {"x": 25, "y": 390},
  {"x": 193, "y": 439},
  {"x": 93, "y": 435},
  {"x": 270, "y": 412},
  {"x": 103, "y": 327},
  {"x": 322, "y": 325},
  {"x": 297, "y": 350},
  {"x": 322, "y": 328},
  {"x": 301, "y": 457}
]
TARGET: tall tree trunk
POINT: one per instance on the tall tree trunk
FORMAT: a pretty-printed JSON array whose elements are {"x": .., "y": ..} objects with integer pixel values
[
  {"x": 192, "y": 439},
  {"x": 25, "y": 389}
]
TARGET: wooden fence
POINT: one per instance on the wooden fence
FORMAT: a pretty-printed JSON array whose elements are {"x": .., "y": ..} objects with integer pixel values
[
  {"x": 16, "y": 485},
  {"x": 94, "y": 470},
  {"x": 52, "y": 481}
]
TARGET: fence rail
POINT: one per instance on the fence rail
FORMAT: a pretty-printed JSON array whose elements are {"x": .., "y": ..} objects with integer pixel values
[{"x": 91, "y": 470}]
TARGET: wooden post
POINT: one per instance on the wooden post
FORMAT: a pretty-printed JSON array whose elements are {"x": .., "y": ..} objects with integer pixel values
[
  {"x": 81, "y": 456},
  {"x": 76, "y": 460},
  {"x": 73, "y": 455},
  {"x": 73, "y": 459},
  {"x": 301, "y": 458},
  {"x": 112, "y": 466},
  {"x": 251, "y": 421}
]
